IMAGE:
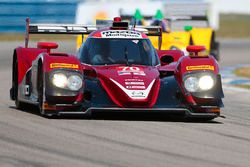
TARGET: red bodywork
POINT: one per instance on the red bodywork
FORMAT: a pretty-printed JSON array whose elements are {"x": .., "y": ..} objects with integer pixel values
[{"x": 127, "y": 86}]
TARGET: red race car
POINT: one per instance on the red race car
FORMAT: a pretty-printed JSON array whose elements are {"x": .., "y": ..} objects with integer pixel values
[{"x": 116, "y": 70}]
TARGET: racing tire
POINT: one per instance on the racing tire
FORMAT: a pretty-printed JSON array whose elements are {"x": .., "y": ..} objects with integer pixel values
[
  {"x": 19, "y": 105},
  {"x": 41, "y": 94}
]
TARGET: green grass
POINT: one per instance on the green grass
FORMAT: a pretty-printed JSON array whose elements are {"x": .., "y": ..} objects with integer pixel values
[
  {"x": 243, "y": 86},
  {"x": 234, "y": 26},
  {"x": 243, "y": 72}
]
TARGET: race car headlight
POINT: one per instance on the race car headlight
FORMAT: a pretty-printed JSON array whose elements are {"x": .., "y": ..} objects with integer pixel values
[
  {"x": 74, "y": 82},
  {"x": 59, "y": 80},
  {"x": 197, "y": 83},
  {"x": 191, "y": 84},
  {"x": 206, "y": 82},
  {"x": 70, "y": 81}
]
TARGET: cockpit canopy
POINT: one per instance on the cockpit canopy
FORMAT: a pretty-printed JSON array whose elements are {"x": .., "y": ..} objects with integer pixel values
[{"x": 110, "y": 51}]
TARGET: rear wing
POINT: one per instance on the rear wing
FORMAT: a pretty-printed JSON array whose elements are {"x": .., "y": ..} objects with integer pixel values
[
  {"x": 151, "y": 31},
  {"x": 148, "y": 30},
  {"x": 178, "y": 22},
  {"x": 73, "y": 29},
  {"x": 194, "y": 18},
  {"x": 130, "y": 17}
]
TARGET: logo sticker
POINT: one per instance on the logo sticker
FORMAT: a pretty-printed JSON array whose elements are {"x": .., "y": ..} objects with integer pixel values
[
  {"x": 135, "y": 85},
  {"x": 121, "y": 34},
  {"x": 201, "y": 67},
  {"x": 64, "y": 65}
]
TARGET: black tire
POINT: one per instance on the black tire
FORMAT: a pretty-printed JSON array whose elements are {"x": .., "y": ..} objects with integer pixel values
[
  {"x": 19, "y": 105},
  {"x": 40, "y": 90},
  {"x": 40, "y": 87}
]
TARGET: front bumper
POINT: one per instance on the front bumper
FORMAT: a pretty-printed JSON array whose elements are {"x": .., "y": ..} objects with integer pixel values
[{"x": 176, "y": 111}]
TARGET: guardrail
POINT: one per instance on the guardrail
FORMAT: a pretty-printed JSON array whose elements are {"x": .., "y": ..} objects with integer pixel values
[{"x": 13, "y": 14}]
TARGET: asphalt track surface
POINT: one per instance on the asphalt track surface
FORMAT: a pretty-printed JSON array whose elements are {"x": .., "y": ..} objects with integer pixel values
[{"x": 29, "y": 140}]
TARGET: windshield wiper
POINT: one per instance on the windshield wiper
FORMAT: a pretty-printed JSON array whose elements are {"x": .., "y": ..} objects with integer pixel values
[{"x": 126, "y": 55}]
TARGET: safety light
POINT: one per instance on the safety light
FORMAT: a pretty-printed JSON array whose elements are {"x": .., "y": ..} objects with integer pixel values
[
  {"x": 191, "y": 84},
  {"x": 199, "y": 82},
  {"x": 74, "y": 82},
  {"x": 206, "y": 82},
  {"x": 70, "y": 81},
  {"x": 59, "y": 80}
]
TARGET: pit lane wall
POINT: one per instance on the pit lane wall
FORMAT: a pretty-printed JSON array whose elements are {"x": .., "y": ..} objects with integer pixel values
[{"x": 14, "y": 12}]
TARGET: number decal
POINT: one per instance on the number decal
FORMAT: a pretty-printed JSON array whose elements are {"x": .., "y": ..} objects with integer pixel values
[{"x": 130, "y": 71}]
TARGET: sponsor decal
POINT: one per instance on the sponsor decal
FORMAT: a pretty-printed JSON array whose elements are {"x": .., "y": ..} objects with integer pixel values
[
  {"x": 64, "y": 65},
  {"x": 134, "y": 83},
  {"x": 133, "y": 80},
  {"x": 200, "y": 67},
  {"x": 135, "y": 87},
  {"x": 135, "y": 94},
  {"x": 130, "y": 71},
  {"x": 121, "y": 34}
]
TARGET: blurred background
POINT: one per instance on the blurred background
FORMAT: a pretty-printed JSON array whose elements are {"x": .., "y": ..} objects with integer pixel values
[{"x": 229, "y": 18}]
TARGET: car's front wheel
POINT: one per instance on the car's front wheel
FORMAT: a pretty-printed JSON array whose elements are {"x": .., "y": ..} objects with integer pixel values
[
  {"x": 41, "y": 98},
  {"x": 40, "y": 91},
  {"x": 19, "y": 105}
]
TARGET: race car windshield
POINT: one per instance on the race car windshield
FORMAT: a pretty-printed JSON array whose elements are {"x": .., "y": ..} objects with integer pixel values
[{"x": 103, "y": 51}]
